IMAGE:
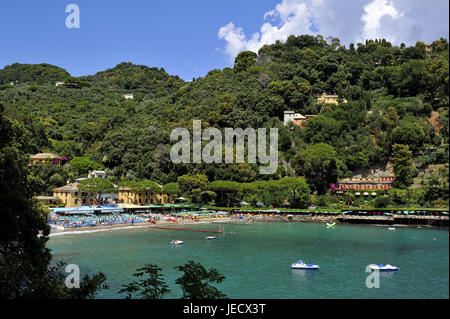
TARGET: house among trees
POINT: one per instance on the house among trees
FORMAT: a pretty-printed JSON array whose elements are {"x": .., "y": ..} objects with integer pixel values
[
  {"x": 428, "y": 47},
  {"x": 71, "y": 196},
  {"x": 296, "y": 118},
  {"x": 71, "y": 85},
  {"x": 128, "y": 96},
  {"x": 108, "y": 197},
  {"x": 97, "y": 174},
  {"x": 47, "y": 158},
  {"x": 329, "y": 99}
]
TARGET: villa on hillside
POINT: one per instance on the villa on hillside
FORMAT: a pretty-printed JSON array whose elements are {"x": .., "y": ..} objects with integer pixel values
[
  {"x": 47, "y": 158},
  {"x": 296, "y": 118},
  {"x": 97, "y": 174},
  {"x": 128, "y": 96},
  {"x": 329, "y": 99}
]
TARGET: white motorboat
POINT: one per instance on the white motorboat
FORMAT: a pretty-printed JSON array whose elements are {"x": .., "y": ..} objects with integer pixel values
[
  {"x": 210, "y": 237},
  {"x": 301, "y": 265},
  {"x": 176, "y": 242},
  {"x": 382, "y": 267}
]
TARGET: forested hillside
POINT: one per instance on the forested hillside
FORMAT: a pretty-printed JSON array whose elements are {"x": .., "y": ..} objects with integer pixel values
[{"x": 396, "y": 95}]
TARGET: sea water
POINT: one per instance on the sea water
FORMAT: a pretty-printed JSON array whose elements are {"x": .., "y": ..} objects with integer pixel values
[{"x": 256, "y": 259}]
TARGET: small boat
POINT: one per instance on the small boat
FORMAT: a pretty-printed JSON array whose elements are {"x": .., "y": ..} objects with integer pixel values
[
  {"x": 210, "y": 237},
  {"x": 176, "y": 242},
  {"x": 330, "y": 225},
  {"x": 301, "y": 265},
  {"x": 391, "y": 228},
  {"x": 382, "y": 267}
]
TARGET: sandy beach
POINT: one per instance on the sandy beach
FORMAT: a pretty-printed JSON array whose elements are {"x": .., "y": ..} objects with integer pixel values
[{"x": 91, "y": 229}]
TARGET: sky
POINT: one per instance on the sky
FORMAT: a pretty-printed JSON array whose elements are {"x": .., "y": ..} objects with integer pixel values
[{"x": 190, "y": 38}]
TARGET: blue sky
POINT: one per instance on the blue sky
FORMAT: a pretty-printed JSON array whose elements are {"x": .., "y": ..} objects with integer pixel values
[{"x": 189, "y": 38}]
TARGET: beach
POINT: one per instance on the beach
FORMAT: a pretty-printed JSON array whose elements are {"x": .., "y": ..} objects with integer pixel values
[{"x": 98, "y": 228}]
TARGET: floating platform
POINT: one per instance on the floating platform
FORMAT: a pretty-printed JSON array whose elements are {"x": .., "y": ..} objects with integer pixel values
[{"x": 188, "y": 229}]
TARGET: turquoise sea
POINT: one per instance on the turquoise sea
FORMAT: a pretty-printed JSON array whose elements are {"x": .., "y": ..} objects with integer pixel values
[{"x": 256, "y": 259}]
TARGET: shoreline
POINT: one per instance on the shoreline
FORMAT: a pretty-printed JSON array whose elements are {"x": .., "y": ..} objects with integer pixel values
[
  {"x": 101, "y": 228},
  {"x": 224, "y": 220}
]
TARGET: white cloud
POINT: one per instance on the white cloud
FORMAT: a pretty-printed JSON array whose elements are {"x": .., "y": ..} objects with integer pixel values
[
  {"x": 294, "y": 17},
  {"x": 351, "y": 21},
  {"x": 373, "y": 13}
]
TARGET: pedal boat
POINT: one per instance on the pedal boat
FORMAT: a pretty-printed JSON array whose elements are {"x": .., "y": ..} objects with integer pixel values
[
  {"x": 301, "y": 265},
  {"x": 382, "y": 267}
]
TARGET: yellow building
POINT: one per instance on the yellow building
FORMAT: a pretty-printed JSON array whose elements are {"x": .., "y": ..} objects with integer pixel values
[
  {"x": 71, "y": 196},
  {"x": 329, "y": 99},
  {"x": 127, "y": 196},
  {"x": 45, "y": 157}
]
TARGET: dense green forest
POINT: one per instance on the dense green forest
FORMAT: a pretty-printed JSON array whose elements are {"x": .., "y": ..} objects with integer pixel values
[{"x": 397, "y": 111}]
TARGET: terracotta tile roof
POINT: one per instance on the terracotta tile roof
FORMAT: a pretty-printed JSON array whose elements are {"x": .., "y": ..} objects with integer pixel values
[
  {"x": 44, "y": 156},
  {"x": 72, "y": 187}
]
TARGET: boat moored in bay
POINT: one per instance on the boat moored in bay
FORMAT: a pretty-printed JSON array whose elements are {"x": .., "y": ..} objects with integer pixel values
[
  {"x": 382, "y": 267},
  {"x": 301, "y": 265}
]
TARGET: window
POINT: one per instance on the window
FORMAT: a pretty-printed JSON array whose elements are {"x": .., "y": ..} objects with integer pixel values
[
  {"x": 76, "y": 201},
  {"x": 76, "y": 194}
]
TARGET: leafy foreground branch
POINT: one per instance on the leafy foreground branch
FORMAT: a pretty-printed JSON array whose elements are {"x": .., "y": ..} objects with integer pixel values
[
  {"x": 196, "y": 282},
  {"x": 26, "y": 267}
]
